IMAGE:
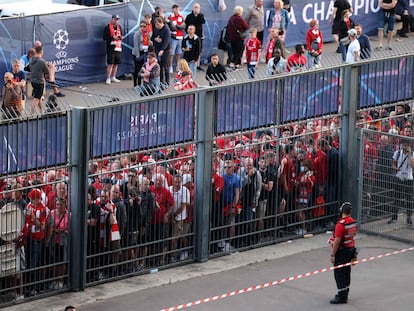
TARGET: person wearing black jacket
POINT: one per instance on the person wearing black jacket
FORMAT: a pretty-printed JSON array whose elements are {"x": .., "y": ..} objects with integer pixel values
[
  {"x": 139, "y": 209},
  {"x": 161, "y": 40},
  {"x": 197, "y": 19}
]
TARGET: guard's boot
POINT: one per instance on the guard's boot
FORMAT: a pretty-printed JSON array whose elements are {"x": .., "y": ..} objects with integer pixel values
[{"x": 338, "y": 300}]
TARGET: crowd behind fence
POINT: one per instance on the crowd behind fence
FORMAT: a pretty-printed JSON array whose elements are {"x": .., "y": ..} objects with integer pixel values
[{"x": 207, "y": 163}]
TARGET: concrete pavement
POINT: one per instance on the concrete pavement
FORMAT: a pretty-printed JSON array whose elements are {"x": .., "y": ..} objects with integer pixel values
[{"x": 371, "y": 288}]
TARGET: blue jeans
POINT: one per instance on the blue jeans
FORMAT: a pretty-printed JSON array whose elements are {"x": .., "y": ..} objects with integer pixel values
[
  {"x": 313, "y": 60},
  {"x": 343, "y": 48},
  {"x": 251, "y": 69},
  {"x": 193, "y": 68}
]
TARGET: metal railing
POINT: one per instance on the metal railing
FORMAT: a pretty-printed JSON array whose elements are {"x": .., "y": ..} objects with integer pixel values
[{"x": 278, "y": 124}]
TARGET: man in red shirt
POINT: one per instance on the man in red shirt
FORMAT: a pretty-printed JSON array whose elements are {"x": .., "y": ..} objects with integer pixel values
[
  {"x": 297, "y": 62},
  {"x": 160, "y": 221},
  {"x": 177, "y": 26},
  {"x": 34, "y": 231},
  {"x": 287, "y": 179}
]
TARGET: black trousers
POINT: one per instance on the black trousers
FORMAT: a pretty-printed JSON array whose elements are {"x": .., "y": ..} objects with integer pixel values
[
  {"x": 343, "y": 275},
  {"x": 403, "y": 197}
]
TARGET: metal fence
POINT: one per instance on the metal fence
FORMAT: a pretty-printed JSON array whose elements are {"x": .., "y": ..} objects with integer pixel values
[
  {"x": 387, "y": 184},
  {"x": 261, "y": 162}
]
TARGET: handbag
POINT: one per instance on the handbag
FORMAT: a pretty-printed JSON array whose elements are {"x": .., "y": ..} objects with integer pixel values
[
  {"x": 225, "y": 35},
  {"x": 243, "y": 35}
]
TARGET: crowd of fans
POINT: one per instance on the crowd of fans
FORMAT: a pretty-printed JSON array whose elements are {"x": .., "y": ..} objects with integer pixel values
[{"x": 140, "y": 208}]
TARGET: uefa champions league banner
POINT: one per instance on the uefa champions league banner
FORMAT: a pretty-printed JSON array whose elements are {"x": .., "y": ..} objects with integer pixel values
[
  {"x": 73, "y": 40},
  {"x": 33, "y": 144},
  {"x": 141, "y": 126}
]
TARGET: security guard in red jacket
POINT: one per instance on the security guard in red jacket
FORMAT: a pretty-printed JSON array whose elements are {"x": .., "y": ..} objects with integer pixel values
[{"x": 343, "y": 251}]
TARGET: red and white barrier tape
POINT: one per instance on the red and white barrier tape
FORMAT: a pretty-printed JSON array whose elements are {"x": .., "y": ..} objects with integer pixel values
[{"x": 291, "y": 278}]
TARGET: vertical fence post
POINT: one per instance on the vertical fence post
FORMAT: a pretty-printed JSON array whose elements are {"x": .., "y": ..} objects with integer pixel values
[
  {"x": 79, "y": 156},
  {"x": 349, "y": 151},
  {"x": 205, "y": 132}
]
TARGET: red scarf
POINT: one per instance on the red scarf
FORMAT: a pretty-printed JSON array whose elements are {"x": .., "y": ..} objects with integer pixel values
[
  {"x": 145, "y": 41},
  {"x": 113, "y": 33}
]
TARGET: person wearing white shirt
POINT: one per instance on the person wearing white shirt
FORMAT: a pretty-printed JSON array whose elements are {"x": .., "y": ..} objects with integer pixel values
[
  {"x": 354, "y": 48},
  {"x": 403, "y": 163},
  {"x": 179, "y": 227}
]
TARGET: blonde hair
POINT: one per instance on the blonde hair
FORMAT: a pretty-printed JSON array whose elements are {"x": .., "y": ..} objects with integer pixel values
[
  {"x": 238, "y": 10},
  {"x": 281, "y": 3},
  {"x": 183, "y": 65}
]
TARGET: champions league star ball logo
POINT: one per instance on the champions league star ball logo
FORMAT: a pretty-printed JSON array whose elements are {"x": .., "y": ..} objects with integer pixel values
[{"x": 61, "y": 39}]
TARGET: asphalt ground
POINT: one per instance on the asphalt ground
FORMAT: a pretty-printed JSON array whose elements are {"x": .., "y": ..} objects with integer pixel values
[{"x": 379, "y": 284}]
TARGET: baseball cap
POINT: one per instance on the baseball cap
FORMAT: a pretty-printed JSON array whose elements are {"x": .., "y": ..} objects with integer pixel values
[
  {"x": 115, "y": 16},
  {"x": 35, "y": 194},
  {"x": 352, "y": 32}
]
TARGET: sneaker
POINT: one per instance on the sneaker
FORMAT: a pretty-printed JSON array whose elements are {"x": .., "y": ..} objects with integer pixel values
[
  {"x": 183, "y": 256},
  {"x": 52, "y": 285},
  {"x": 59, "y": 94},
  {"x": 108, "y": 81},
  {"x": 19, "y": 297},
  {"x": 338, "y": 50},
  {"x": 228, "y": 247},
  {"x": 388, "y": 48},
  {"x": 100, "y": 275},
  {"x": 221, "y": 244},
  {"x": 60, "y": 285},
  {"x": 200, "y": 68},
  {"x": 338, "y": 300},
  {"x": 140, "y": 268},
  {"x": 378, "y": 48},
  {"x": 33, "y": 292},
  {"x": 113, "y": 79},
  {"x": 171, "y": 70}
]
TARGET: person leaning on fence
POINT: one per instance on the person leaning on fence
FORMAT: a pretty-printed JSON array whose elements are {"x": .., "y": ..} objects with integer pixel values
[
  {"x": 186, "y": 82},
  {"x": 216, "y": 72},
  {"x": 150, "y": 72},
  {"x": 276, "y": 64},
  {"x": 12, "y": 95}
]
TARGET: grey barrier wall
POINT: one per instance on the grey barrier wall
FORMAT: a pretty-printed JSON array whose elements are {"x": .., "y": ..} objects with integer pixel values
[{"x": 297, "y": 132}]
